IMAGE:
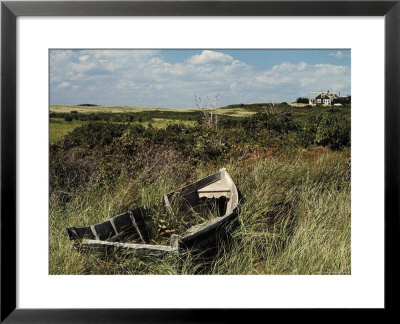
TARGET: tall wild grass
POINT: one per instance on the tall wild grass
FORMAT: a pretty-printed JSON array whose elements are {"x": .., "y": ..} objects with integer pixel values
[{"x": 294, "y": 218}]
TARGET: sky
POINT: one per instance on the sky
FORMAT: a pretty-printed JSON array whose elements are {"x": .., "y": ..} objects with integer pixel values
[{"x": 171, "y": 78}]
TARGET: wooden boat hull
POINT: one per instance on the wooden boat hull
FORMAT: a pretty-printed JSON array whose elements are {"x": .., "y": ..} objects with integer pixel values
[{"x": 105, "y": 235}]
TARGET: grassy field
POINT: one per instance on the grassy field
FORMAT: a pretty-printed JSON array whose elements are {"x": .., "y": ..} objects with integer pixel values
[
  {"x": 295, "y": 179},
  {"x": 112, "y": 109},
  {"x": 59, "y": 127},
  {"x": 158, "y": 117}
]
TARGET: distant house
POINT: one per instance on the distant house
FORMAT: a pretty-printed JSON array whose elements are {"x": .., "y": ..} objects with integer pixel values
[{"x": 324, "y": 98}]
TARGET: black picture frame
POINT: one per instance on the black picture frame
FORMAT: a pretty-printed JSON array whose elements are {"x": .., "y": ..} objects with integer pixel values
[{"x": 10, "y": 10}]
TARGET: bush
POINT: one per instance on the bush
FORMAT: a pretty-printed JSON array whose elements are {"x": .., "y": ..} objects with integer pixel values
[
  {"x": 302, "y": 100},
  {"x": 326, "y": 129},
  {"x": 281, "y": 123},
  {"x": 95, "y": 134}
]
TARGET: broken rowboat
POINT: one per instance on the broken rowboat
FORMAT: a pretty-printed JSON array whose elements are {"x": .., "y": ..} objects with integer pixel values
[{"x": 128, "y": 231}]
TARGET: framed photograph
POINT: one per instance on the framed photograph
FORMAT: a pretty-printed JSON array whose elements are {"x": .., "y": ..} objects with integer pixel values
[{"x": 163, "y": 158}]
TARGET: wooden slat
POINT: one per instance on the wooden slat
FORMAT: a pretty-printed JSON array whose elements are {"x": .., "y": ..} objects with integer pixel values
[
  {"x": 113, "y": 226},
  {"x": 140, "y": 216},
  {"x": 194, "y": 186},
  {"x": 120, "y": 225},
  {"x": 147, "y": 249},
  {"x": 136, "y": 227},
  {"x": 218, "y": 186},
  {"x": 168, "y": 205},
  {"x": 93, "y": 229},
  {"x": 104, "y": 230}
]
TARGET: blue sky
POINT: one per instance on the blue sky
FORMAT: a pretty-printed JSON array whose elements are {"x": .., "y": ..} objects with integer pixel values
[{"x": 171, "y": 78}]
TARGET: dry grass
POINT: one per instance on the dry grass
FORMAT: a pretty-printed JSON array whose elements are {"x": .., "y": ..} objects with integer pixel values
[
  {"x": 295, "y": 220},
  {"x": 109, "y": 109}
]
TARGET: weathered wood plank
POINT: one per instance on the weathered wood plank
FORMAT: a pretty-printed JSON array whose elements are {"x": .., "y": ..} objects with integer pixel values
[
  {"x": 194, "y": 186},
  {"x": 122, "y": 223},
  {"x": 104, "y": 230},
  {"x": 94, "y": 232},
  {"x": 221, "y": 185},
  {"x": 205, "y": 237},
  {"x": 147, "y": 249},
  {"x": 120, "y": 226},
  {"x": 140, "y": 215},
  {"x": 132, "y": 217}
]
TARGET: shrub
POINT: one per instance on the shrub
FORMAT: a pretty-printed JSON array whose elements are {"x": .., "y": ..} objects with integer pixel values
[
  {"x": 281, "y": 123},
  {"x": 95, "y": 134},
  {"x": 302, "y": 100},
  {"x": 326, "y": 129}
]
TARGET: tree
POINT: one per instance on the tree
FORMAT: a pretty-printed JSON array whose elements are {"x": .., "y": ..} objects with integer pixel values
[
  {"x": 302, "y": 100},
  {"x": 208, "y": 106}
]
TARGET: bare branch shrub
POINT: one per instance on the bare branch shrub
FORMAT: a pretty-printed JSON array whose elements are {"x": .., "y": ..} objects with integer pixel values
[
  {"x": 272, "y": 109},
  {"x": 207, "y": 106}
]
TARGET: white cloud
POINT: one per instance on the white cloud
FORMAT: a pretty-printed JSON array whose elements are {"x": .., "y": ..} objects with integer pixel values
[
  {"x": 339, "y": 54},
  {"x": 83, "y": 58},
  {"x": 210, "y": 57},
  {"x": 306, "y": 78},
  {"x": 144, "y": 78},
  {"x": 64, "y": 85}
]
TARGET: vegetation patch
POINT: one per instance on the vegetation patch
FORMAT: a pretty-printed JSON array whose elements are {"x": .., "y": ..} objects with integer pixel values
[{"x": 292, "y": 166}]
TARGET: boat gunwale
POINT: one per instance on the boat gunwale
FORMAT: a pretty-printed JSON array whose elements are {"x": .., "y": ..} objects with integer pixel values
[{"x": 89, "y": 243}]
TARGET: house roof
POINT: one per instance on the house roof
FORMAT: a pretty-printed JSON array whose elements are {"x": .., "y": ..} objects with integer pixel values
[{"x": 325, "y": 96}]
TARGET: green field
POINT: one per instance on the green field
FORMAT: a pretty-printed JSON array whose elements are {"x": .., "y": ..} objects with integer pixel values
[
  {"x": 292, "y": 166},
  {"x": 159, "y": 117},
  {"x": 60, "y": 127}
]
